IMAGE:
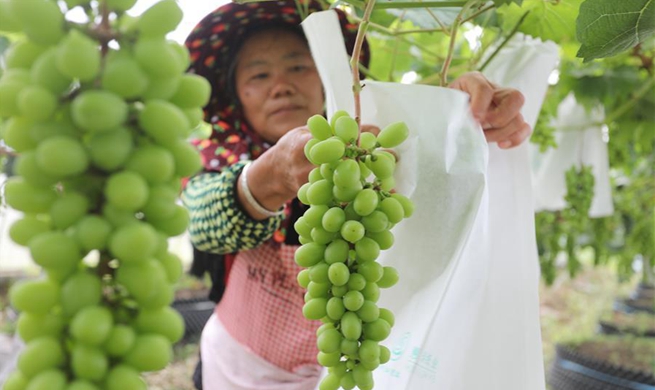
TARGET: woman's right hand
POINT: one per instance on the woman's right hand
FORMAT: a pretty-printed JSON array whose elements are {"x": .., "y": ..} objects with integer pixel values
[{"x": 275, "y": 177}]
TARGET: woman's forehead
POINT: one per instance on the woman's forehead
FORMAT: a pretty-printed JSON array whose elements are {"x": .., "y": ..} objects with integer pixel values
[{"x": 270, "y": 44}]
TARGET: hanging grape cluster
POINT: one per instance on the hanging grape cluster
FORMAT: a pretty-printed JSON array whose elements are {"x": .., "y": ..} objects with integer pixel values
[
  {"x": 579, "y": 195},
  {"x": 352, "y": 209},
  {"x": 98, "y": 113}
]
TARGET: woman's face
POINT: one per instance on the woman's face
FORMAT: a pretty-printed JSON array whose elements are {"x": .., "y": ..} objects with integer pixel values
[{"x": 277, "y": 83}]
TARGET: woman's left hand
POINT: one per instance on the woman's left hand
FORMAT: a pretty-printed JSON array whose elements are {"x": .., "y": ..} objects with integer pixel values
[{"x": 496, "y": 109}]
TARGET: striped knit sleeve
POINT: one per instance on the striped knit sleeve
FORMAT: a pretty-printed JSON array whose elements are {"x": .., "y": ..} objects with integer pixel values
[{"x": 218, "y": 223}]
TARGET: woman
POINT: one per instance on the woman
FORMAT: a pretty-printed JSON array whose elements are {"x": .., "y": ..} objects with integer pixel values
[{"x": 265, "y": 87}]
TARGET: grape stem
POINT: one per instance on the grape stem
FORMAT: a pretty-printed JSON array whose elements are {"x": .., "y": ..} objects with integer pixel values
[
  {"x": 354, "y": 62},
  {"x": 104, "y": 28}
]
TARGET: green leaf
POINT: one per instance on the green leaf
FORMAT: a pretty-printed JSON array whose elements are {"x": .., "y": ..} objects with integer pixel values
[
  {"x": 607, "y": 27},
  {"x": 499, "y": 3},
  {"x": 548, "y": 20}
]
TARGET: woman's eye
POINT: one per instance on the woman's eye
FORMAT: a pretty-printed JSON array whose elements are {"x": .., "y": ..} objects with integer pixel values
[
  {"x": 259, "y": 76},
  {"x": 299, "y": 68}
]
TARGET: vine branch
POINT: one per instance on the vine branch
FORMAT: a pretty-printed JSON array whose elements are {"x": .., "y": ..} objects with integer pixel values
[
  {"x": 354, "y": 62},
  {"x": 507, "y": 38},
  {"x": 453, "y": 38}
]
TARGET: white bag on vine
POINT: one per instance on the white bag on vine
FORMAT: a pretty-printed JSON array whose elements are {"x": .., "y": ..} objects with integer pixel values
[
  {"x": 466, "y": 305},
  {"x": 579, "y": 136}
]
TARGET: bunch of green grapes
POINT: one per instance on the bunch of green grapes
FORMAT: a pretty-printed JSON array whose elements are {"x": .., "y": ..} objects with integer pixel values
[
  {"x": 352, "y": 209},
  {"x": 99, "y": 115},
  {"x": 579, "y": 195}
]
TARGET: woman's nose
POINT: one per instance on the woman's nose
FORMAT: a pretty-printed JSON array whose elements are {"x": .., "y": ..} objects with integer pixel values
[{"x": 282, "y": 86}]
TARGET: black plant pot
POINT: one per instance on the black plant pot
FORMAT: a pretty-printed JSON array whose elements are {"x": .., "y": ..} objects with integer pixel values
[
  {"x": 572, "y": 371},
  {"x": 196, "y": 312},
  {"x": 609, "y": 328}
]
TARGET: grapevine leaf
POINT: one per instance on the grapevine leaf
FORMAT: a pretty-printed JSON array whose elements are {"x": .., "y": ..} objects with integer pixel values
[
  {"x": 547, "y": 20},
  {"x": 606, "y": 27}
]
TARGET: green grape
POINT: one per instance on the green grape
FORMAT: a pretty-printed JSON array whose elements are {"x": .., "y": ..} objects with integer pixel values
[
  {"x": 367, "y": 249},
  {"x": 79, "y": 291},
  {"x": 314, "y": 215},
  {"x": 16, "y": 75},
  {"x": 193, "y": 91},
  {"x": 346, "y": 194},
  {"x": 98, "y": 111},
  {"x": 110, "y": 150},
  {"x": 389, "y": 277},
  {"x": 393, "y": 135},
  {"x": 92, "y": 232},
  {"x": 381, "y": 166},
  {"x": 89, "y": 362},
  {"x": 336, "y": 116},
  {"x": 363, "y": 377},
  {"x": 406, "y": 203},
  {"x": 328, "y": 359},
  {"x": 302, "y": 192},
  {"x": 78, "y": 57},
  {"x": 319, "y": 127},
  {"x": 302, "y": 228},
  {"x": 62, "y": 156},
  {"x": 55, "y": 249},
  {"x": 23, "y": 54},
  {"x": 330, "y": 382},
  {"x": 365, "y": 202},
  {"x": 346, "y": 128},
  {"x": 352, "y": 231},
  {"x": 141, "y": 279},
  {"x": 8, "y": 23},
  {"x": 338, "y": 274},
  {"x": 351, "y": 326},
  {"x": 393, "y": 209},
  {"x": 388, "y": 183},
  {"x": 48, "y": 380},
  {"x": 308, "y": 148},
  {"x": 133, "y": 243},
  {"x": 385, "y": 354},
  {"x": 17, "y": 133},
  {"x": 349, "y": 347},
  {"x": 367, "y": 140},
  {"x": 181, "y": 52},
  {"x": 34, "y": 296},
  {"x": 315, "y": 175},
  {"x": 81, "y": 385},
  {"x": 318, "y": 289},
  {"x": 92, "y": 325},
  {"x": 353, "y": 300},
  {"x": 320, "y": 193},
  {"x": 322, "y": 236},
  {"x": 329, "y": 341},
  {"x": 371, "y": 271},
  {"x": 371, "y": 292},
  {"x": 120, "y": 340},
  {"x": 369, "y": 311},
  {"x": 335, "y": 308},
  {"x": 69, "y": 208},
  {"x": 387, "y": 315},
  {"x": 347, "y": 174},
  {"x": 172, "y": 266},
  {"x": 309, "y": 254},
  {"x": 116, "y": 216},
  {"x": 384, "y": 239},
  {"x": 327, "y": 151},
  {"x": 163, "y": 121},
  {"x": 160, "y": 19},
  {"x": 122, "y": 377},
  {"x": 303, "y": 278},
  {"x": 315, "y": 308},
  {"x": 348, "y": 382},
  {"x": 195, "y": 115},
  {"x": 161, "y": 89},
  {"x": 375, "y": 222},
  {"x": 356, "y": 282},
  {"x": 377, "y": 330},
  {"x": 42, "y": 20},
  {"x": 164, "y": 321},
  {"x": 154, "y": 163},
  {"x": 174, "y": 225},
  {"x": 318, "y": 273},
  {"x": 158, "y": 58},
  {"x": 339, "y": 291},
  {"x": 336, "y": 252},
  {"x": 151, "y": 352},
  {"x": 369, "y": 350},
  {"x": 43, "y": 130},
  {"x": 16, "y": 380},
  {"x": 44, "y": 72},
  {"x": 120, "y": 5},
  {"x": 126, "y": 191},
  {"x": 327, "y": 170},
  {"x": 30, "y": 226},
  {"x": 36, "y": 103},
  {"x": 124, "y": 77},
  {"x": 39, "y": 355},
  {"x": 9, "y": 93}
]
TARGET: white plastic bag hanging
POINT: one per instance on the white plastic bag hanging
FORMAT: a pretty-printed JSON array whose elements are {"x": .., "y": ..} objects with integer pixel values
[
  {"x": 465, "y": 318},
  {"x": 579, "y": 137}
]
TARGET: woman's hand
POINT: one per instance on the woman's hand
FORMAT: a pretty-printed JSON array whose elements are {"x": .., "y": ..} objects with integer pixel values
[{"x": 496, "y": 109}]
